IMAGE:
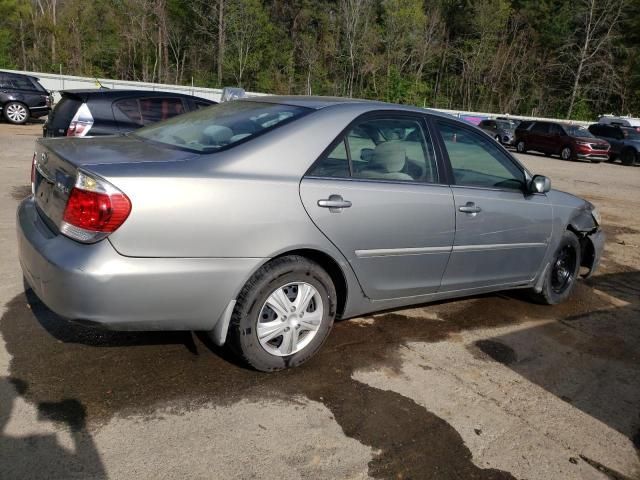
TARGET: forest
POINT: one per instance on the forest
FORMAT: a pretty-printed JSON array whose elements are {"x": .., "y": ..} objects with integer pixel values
[{"x": 560, "y": 58}]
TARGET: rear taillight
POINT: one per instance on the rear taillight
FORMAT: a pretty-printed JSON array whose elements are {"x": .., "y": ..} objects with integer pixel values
[
  {"x": 33, "y": 174},
  {"x": 81, "y": 122},
  {"x": 95, "y": 209}
]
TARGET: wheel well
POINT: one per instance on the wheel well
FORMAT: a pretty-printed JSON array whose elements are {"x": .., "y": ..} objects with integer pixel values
[
  {"x": 331, "y": 267},
  {"x": 587, "y": 251}
]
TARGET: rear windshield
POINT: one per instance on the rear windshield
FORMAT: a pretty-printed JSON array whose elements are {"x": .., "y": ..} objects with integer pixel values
[
  {"x": 211, "y": 129},
  {"x": 577, "y": 131}
]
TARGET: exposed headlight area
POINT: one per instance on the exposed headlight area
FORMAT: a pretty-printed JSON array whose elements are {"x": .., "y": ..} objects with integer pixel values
[{"x": 596, "y": 216}]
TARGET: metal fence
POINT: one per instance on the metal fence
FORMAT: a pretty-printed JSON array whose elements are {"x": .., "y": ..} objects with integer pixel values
[{"x": 55, "y": 83}]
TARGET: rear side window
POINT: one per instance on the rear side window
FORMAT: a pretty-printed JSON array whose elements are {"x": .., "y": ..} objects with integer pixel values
[
  {"x": 477, "y": 161},
  {"x": 540, "y": 127},
  {"x": 212, "y": 129},
  {"x": 157, "y": 109},
  {"x": 21, "y": 83},
  {"x": 382, "y": 149},
  {"x": 145, "y": 111}
]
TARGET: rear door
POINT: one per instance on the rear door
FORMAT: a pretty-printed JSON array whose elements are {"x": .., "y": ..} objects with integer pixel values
[
  {"x": 502, "y": 233},
  {"x": 538, "y": 137},
  {"x": 376, "y": 194}
]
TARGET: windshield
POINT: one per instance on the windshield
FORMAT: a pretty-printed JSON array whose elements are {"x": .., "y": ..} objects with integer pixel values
[
  {"x": 577, "y": 131},
  {"x": 631, "y": 134},
  {"x": 506, "y": 124},
  {"x": 213, "y": 128}
]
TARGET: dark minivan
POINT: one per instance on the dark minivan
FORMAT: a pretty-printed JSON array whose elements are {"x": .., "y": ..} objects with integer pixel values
[
  {"x": 108, "y": 112},
  {"x": 571, "y": 142},
  {"x": 21, "y": 97}
]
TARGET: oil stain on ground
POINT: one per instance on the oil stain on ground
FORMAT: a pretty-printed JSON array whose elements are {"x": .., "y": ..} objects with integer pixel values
[{"x": 121, "y": 373}]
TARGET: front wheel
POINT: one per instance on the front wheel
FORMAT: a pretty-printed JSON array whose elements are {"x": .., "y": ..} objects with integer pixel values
[
  {"x": 628, "y": 157},
  {"x": 562, "y": 274},
  {"x": 566, "y": 153},
  {"x": 16, "y": 113},
  {"x": 283, "y": 314}
]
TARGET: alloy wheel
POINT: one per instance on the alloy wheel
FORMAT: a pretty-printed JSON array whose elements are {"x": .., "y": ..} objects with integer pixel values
[
  {"x": 566, "y": 153},
  {"x": 17, "y": 113},
  {"x": 289, "y": 319}
]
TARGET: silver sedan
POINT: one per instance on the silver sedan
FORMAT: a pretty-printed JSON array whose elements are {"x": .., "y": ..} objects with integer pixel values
[{"x": 261, "y": 221}]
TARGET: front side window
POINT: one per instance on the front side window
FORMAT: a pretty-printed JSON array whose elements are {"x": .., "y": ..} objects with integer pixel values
[
  {"x": 211, "y": 129},
  {"x": 478, "y": 162},
  {"x": 382, "y": 149}
]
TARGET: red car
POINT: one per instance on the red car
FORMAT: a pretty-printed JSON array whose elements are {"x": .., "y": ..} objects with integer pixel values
[{"x": 570, "y": 142}]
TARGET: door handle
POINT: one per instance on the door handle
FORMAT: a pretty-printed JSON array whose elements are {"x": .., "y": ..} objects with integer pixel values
[
  {"x": 335, "y": 203},
  {"x": 470, "y": 207}
]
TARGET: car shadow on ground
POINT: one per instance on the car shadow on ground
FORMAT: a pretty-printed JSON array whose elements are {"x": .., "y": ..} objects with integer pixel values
[
  {"x": 590, "y": 360},
  {"x": 136, "y": 372},
  {"x": 23, "y": 457}
]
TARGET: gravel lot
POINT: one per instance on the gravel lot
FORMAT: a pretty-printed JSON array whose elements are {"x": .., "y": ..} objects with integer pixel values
[{"x": 485, "y": 388}]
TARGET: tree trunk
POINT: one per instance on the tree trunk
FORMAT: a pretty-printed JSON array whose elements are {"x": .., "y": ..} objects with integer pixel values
[{"x": 221, "y": 40}]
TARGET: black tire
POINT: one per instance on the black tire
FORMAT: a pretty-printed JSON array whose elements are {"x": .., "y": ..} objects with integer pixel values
[
  {"x": 521, "y": 147},
  {"x": 566, "y": 153},
  {"x": 16, "y": 113},
  {"x": 628, "y": 156},
  {"x": 556, "y": 287},
  {"x": 497, "y": 139},
  {"x": 243, "y": 339}
]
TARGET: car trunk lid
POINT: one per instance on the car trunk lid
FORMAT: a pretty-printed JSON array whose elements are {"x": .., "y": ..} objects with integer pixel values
[{"x": 56, "y": 163}]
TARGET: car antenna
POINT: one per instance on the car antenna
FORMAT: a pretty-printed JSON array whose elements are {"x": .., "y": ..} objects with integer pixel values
[{"x": 99, "y": 84}]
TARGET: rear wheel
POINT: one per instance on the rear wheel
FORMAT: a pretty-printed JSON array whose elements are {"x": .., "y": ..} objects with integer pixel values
[
  {"x": 16, "y": 113},
  {"x": 561, "y": 276},
  {"x": 566, "y": 153},
  {"x": 283, "y": 314},
  {"x": 521, "y": 147},
  {"x": 628, "y": 156}
]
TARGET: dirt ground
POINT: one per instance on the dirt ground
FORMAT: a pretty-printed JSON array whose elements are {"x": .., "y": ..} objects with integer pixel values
[{"x": 491, "y": 387}]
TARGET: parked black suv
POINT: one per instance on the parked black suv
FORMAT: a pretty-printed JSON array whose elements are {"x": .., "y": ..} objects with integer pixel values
[
  {"x": 107, "y": 112},
  {"x": 624, "y": 141},
  {"x": 21, "y": 97}
]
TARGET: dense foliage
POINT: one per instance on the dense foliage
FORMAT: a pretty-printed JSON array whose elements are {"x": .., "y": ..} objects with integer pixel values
[{"x": 573, "y": 58}]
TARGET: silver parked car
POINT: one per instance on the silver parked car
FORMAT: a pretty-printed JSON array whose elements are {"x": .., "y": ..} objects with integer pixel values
[{"x": 263, "y": 220}]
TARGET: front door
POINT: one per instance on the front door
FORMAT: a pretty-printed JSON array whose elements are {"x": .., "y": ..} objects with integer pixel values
[
  {"x": 502, "y": 233},
  {"x": 377, "y": 196}
]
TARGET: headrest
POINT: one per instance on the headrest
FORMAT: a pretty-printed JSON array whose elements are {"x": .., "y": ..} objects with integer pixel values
[
  {"x": 389, "y": 156},
  {"x": 218, "y": 134}
]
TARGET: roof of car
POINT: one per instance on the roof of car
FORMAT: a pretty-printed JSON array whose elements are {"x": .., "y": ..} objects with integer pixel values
[
  {"x": 319, "y": 102},
  {"x": 122, "y": 93},
  {"x": 15, "y": 74}
]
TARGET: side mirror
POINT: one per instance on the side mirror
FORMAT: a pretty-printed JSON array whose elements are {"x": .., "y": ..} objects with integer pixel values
[{"x": 539, "y": 184}]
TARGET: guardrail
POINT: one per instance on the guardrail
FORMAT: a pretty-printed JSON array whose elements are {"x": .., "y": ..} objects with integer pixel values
[{"x": 55, "y": 83}]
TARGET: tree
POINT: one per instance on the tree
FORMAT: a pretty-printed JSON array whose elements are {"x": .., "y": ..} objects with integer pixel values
[{"x": 589, "y": 51}]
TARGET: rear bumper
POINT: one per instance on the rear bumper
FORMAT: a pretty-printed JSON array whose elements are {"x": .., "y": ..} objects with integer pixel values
[
  {"x": 37, "y": 112},
  {"x": 95, "y": 284}
]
